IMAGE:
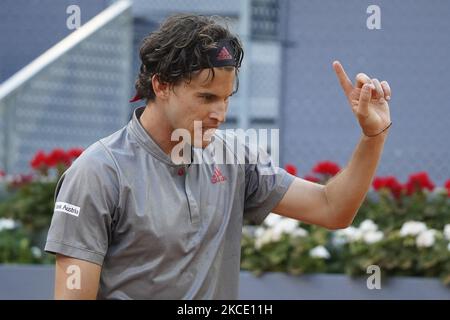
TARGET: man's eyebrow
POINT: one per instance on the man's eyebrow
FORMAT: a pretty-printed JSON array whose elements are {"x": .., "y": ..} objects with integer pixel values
[{"x": 210, "y": 94}]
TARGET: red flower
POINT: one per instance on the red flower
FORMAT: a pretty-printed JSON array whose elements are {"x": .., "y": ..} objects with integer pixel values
[
  {"x": 291, "y": 169},
  {"x": 447, "y": 186},
  {"x": 417, "y": 182},
  {"x": 39, "y": 160},
  {"x": 311, "y": 178},
  {"x": 2, "y": 173},
  {"x": 74, "y": 153},
  {"x": 58, "y": 156},
  {"x": 390, "y": 183},
  {"x": 326, "y": 167}
]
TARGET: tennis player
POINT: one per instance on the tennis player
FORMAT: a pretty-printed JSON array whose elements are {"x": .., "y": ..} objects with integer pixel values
[{"x": 132, "y": 223}]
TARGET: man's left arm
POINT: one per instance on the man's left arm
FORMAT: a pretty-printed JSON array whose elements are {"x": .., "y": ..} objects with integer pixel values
[{"x": 335, "y": 204}]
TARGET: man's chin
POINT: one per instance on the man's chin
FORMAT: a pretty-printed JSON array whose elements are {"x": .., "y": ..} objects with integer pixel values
[{"x": 205, "y": 144}]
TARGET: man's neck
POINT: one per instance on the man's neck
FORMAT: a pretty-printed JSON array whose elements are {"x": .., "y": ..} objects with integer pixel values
[{"x": 155, "y": 124}]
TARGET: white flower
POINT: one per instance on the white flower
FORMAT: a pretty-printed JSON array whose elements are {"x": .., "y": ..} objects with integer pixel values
[
  {"x": 277, "y": 226},
  {"x": 36, "y": 252},
  {"x": 338, "y": 240},
  {"x": 259, "y": 232},
  {"x": 266, "y": 237},
  {"x": 368, "y": 232},
  {"x": 437, "y": 191},
  {"x": 272, "y": 219},
  {"x": 276, "y": 233},
  {"x": 319, "y": 252},
  {"x": 425, "y": 239},
  {"x": 373, "y": 236},
  {"x": 285, "y": 225},
  {"x": 447, "y": 231},
  {"x": 274, "y": 237},
  {"x": 368, "y": 226},
  {"x": 350, "y": 234},
  {"x": 299, "y": 232},
  {"x": 259, "y": 242},
  {"x": 7, "y": 224},
  {"x": 412, "y": 228}
]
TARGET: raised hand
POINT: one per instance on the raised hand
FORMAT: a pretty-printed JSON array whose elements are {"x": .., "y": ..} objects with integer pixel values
[{"x": 368, "y": 100}]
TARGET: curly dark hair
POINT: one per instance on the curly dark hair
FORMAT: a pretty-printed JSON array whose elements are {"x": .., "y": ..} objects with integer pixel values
[{"x": 178, "y": 48}]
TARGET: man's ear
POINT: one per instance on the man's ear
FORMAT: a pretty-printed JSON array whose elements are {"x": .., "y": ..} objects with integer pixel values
[{"x": 161, "y": 89}]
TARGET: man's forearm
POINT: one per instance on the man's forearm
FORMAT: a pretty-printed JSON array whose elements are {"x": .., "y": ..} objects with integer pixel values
[{"x": 346, "y": 191}]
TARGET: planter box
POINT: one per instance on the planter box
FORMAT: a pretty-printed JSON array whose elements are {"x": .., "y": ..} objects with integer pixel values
[
  {"x": 37, "y": 282},
  {"x": 337, "y": 286},
  {"x": 29, "y": 282}
]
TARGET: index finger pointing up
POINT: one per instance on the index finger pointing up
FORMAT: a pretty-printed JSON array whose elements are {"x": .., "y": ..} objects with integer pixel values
[{"x": 343, "y": 78}]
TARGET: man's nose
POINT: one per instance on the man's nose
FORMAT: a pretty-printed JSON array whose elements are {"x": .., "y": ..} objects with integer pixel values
[{"x": 219, "y": 112}]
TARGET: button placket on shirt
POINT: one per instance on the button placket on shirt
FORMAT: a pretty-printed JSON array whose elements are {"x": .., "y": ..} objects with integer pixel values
[{"x": 194, "y": 210}]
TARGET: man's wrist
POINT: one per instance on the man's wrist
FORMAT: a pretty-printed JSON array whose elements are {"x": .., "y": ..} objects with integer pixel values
[
  {"x": 381, "y": 132},
  {"x": 380, "y": 137}
]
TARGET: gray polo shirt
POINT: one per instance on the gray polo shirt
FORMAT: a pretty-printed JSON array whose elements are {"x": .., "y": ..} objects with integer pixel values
[{"x": 160, "y": 230}]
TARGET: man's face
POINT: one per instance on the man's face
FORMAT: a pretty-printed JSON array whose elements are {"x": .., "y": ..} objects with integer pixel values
[{"x": 202, "y": 99}]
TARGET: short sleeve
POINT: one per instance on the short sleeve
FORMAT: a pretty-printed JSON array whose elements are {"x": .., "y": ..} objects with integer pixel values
[
  {"x": 265, "y": 186},
  {"x": 86, "y": 199}
]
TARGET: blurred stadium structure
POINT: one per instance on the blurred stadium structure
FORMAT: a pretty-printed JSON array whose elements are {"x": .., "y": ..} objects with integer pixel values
[{"x": 77, "y": 92}]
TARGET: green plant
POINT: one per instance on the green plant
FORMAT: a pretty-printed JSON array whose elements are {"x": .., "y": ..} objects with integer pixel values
[
  {"x": 32, "y": 205},
  {"x": 403, "y": 229},
  {"x": 28, "y": 201},
  {"x": 16, "y": 247}
]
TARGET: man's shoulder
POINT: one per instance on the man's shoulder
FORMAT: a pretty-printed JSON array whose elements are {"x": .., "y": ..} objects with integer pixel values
[
  {"x": 94, "y": 159},
  {"x": 98, "y": 157},
  {"x": 116, "y": 139}
]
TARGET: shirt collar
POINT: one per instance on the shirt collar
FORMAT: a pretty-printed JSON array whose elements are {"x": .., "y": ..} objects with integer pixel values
[{"x": 145, "y": 140}]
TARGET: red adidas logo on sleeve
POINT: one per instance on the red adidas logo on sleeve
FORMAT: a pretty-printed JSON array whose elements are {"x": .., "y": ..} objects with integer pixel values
[{"x": 218, "y": 176}]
